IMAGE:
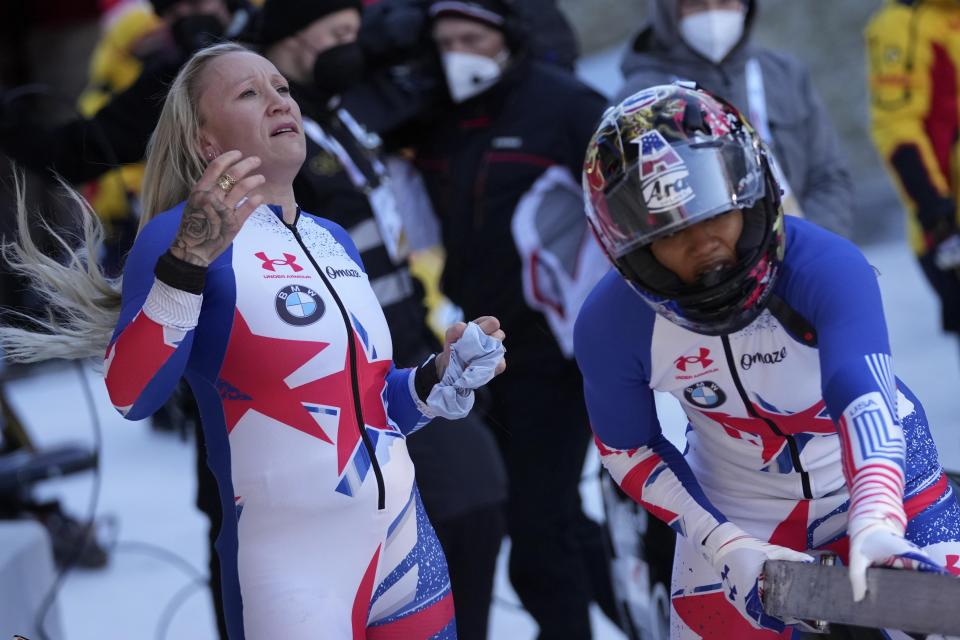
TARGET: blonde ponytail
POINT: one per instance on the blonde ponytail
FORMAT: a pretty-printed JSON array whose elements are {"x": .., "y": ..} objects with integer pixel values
[{"x": 82, "y": 304}]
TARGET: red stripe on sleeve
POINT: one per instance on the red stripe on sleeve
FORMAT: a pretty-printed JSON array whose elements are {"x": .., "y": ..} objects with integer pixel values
[
  {"x": 134, "y": 359},
  {"x": 914, "y": 505}
]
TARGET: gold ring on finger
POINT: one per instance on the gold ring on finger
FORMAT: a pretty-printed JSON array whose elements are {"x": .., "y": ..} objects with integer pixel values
[{"x": 226, "y": 182}]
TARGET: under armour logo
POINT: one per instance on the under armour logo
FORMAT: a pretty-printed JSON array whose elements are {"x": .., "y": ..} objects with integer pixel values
[
  {"x": 725, "y": 576},
  {"x": 271, "y": 264},
  {"x": 702, "y": 359}
]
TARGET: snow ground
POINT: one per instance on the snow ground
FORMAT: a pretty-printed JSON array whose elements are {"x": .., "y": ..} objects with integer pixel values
[{"x": 148, "y": 482}]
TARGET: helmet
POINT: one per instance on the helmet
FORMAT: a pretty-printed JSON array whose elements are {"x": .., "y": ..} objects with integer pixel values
[{"x": 669, "y": 157}]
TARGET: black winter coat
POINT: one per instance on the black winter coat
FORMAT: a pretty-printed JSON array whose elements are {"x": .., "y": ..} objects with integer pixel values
[{"x": 478, "y": 163}]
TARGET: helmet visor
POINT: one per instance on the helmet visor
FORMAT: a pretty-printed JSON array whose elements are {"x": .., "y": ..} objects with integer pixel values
[{"x": 674, "y": 186}]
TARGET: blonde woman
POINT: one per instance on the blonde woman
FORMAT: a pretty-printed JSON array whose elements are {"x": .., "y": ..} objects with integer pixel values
[{"x": 268, "y": 314}]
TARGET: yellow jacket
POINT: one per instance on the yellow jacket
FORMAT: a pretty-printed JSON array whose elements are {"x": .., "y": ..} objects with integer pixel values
[
  {"x": 913, "y": 66},
  {"x": 114, "y": 66}
]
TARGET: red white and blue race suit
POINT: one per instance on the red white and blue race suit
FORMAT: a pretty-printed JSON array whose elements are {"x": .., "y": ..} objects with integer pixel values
[
  {"x": 305, "y": 417},
  {"x": 782, "y": 415}
]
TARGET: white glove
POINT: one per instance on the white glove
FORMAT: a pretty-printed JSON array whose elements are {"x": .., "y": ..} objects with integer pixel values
[
  {"x": 473, "y": 362},
  {"x": 947, "y": 254},
  {"x": 882, "y": 543},
  {"x": 738, "y": 557}
]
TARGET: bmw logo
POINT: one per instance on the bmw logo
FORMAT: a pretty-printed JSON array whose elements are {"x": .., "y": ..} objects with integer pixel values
[
  {"x": 705, "y": 395},
  {"x": 299, "y": 305}
]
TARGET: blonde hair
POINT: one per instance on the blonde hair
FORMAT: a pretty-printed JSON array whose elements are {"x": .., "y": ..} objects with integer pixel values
[
  {"x": 174, "y": 160},
  {"x": 83, "y": 304}
]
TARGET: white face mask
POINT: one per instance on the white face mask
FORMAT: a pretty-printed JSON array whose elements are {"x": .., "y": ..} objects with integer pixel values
[
  {"x": 469, "y": 74},
  {"x": 713, "y": 34}
]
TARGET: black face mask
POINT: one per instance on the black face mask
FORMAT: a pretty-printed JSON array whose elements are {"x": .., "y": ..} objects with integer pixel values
[
  {"x": 338, "y": 68},
  {"x": 192, "y": 33}
]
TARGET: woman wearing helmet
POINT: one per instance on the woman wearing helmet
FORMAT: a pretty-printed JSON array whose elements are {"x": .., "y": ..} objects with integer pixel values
[{"x": 770, "y": 333}]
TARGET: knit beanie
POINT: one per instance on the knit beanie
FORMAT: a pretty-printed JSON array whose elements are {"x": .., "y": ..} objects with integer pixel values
[
  {"x": 492, "y": 13},
  {"x": 282, "y": 18}
]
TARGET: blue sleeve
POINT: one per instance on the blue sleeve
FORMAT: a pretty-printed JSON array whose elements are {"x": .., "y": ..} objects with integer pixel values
[
  {"x": 829, "y": 282},
  {"x": 401, "y": 406},
  {"x": 151, "y": 243},
  {"x": 145, "y": 360},
  {"x": 613, "y": 353},
  {"x": 612, "y": 342}
]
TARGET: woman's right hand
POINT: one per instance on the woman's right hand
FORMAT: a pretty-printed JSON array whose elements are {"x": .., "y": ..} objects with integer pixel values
[
  {"x": 217, "y": 207},
  {"x": 881, "y": 543}
]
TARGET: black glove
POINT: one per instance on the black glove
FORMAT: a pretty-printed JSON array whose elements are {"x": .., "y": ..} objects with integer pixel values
[{"x": 941, "y": 234}]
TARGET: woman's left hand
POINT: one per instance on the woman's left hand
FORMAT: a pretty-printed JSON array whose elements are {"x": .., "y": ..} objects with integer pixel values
[
  {"x": 472, "y": 355},
  {"x": 488, "y": 324}
]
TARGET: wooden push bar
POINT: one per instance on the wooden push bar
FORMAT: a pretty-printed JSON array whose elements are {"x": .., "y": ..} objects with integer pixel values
[{"x": 910, "y": 601}]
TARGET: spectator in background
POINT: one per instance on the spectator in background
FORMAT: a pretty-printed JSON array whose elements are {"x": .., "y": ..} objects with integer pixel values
[
  {"x": 404, "y": 79},
  {"x": 133, "y": 35},
  {"x": 500, "y": 168},
  {"x": 913, "y": 53},
  {"x": 139, "y": 36},
  {"x": 346, "y": 178},
  {"x": 117, "y": 134},
  {"x": 708, "y": 42}
]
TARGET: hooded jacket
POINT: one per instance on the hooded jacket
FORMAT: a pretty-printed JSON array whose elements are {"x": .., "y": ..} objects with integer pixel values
[{"x": 804, "y": 140}]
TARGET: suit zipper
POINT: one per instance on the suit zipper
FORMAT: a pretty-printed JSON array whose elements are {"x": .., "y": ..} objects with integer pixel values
[
  {"x": 791, "y": 442},
  {"x": 355, "y": 383}
]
